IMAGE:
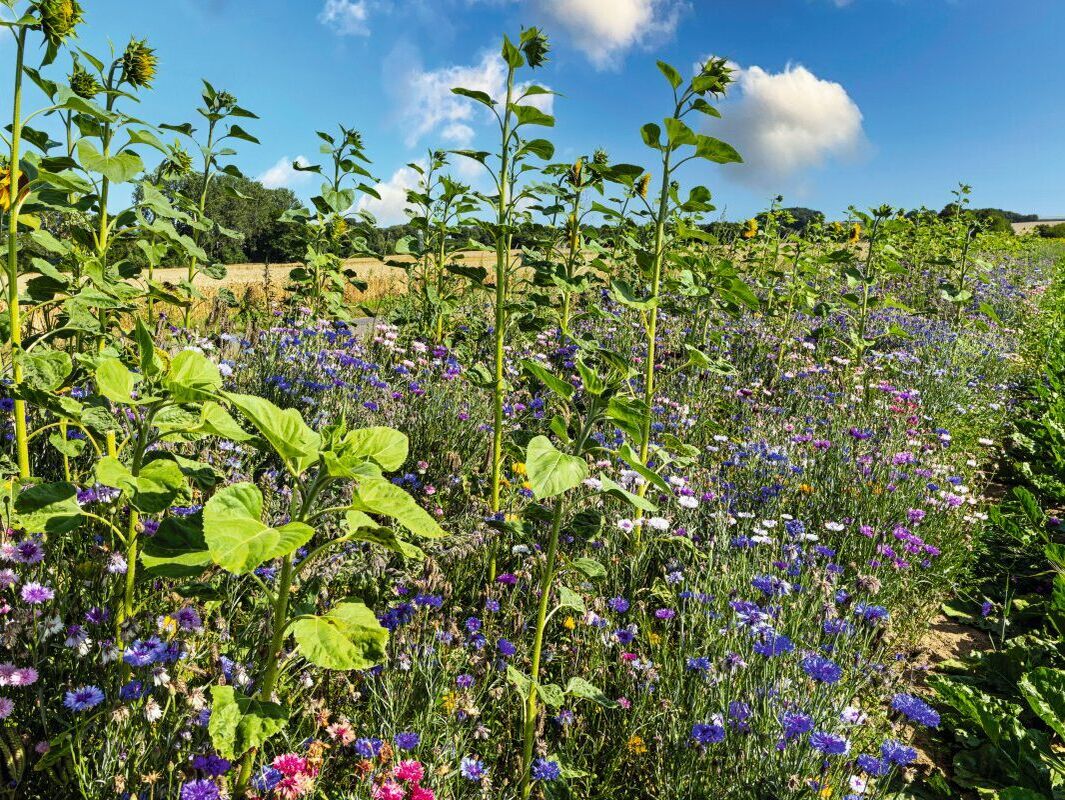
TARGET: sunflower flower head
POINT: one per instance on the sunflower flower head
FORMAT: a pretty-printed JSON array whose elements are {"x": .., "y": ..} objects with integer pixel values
[
  {"x": 59, "y": 18},
  {"x": 139, "y": 63}
]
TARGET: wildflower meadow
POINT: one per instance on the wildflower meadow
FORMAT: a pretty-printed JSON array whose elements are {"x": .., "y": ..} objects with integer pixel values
[{"x": 628, "y": 503}]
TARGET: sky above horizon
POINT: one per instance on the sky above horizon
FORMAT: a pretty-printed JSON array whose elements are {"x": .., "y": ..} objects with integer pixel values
[{"x": 837, "y": 102}]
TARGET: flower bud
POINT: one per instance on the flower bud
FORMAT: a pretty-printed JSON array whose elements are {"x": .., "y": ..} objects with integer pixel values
[
  {"x": 138, "y": 63},
  {"x": 59, "y": 18}
]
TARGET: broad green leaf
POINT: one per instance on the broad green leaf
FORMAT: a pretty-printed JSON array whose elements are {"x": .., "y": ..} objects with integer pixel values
[
  {"x": 589, "y": 567},
  {"x": 1044, "y": 689},
  {"x": 552, "y": 472},
  {"x": 347, "y": 637},
  {"x": 192, "y": 378},
  {"x": 45, "y": 370},
  {"x": 579, "y": 687},
  {"x": 115, "y": 382},
  {"x": 155, "y": 489},
  {"x": 290, "y": 437},
  {"x": 612, "y": 488},
  {"x": 520, "y": 681},
  {"x": 671, "y": 73},
  {"x": 380, "y": 496},
  {"x": 551, "y": 694},
  {"x": 240, "y": 723},
  {"x": 567, "y": 598},
  {"x": 238, "y": 539},
  {"x": 632, "y": 458},
  {"x": 626, "y": 295},
  {"x": 716, "y": 150},
  {"x": 178, "y": 549},
  {"x": 48, "y": 508},
  {"x": 118, "y": 168},
  {"x": 548, "y": 378},
  {"x": 363, "y": 529},
  {"x": 386, "y": 447}
]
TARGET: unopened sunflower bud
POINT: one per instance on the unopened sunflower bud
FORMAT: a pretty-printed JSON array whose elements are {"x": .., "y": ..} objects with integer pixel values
[
  {"x": 534, "y": 45},
  {"x": 58, "y": 19},
  {"x": 139, "y": 63},
  {"x": 83, "y": 83}
]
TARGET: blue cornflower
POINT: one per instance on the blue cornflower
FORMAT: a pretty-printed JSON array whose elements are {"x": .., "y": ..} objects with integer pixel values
[
  {"x": 915, "y": 709},
  {"x": 618, "y": 604},
  {"x": 895, "y": 752},
  {"x": 705, "y": 733},
  {"x": 472, "y": 769},
  {"x": 831, "y": 744},
  {"x": 774, "y": 644},
  {"x": 506, "y": 648},
  {"x": 795, "y": 723},
  {"x": 267, "y": 779},
  {"x": 83, "y": 698},
  {"x": 873, "y": 765},
  {"x": 407, "y": 740},
  {"x": 821, "y": 669},
  {"x": 134, "y": 690},
  {"x": 368, "y": 747},
  {"x": 699, "y": 664},
  {"x": 544, "y": 770}
]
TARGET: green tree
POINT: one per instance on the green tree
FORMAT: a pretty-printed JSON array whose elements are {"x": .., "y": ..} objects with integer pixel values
[{"x": 246, "y": 219}]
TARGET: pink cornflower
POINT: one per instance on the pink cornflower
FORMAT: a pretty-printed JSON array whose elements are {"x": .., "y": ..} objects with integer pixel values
[
  {"x": 389, "y": 790},
  {"x": 409, "y": 771},
  {"x": 422, "y": 793},
  {"x": 290, "y": 764}
]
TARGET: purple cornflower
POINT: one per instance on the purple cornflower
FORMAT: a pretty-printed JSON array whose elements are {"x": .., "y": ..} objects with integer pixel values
[
  {"x": 618, "y": 604},
  {"x": 201, "y": 789},
  {"x": 36, "y": 593}
]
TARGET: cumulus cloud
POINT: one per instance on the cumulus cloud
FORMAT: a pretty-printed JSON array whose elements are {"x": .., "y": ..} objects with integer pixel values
[
  {"x": 784, "y": 123},
  {"x": 282, "y": 174},
  {"x": 426, "y": 104},
  {"x": 604, "y": 30},
  {"x": 391, "y": 208},
  {"x": 346, "y": 17}
]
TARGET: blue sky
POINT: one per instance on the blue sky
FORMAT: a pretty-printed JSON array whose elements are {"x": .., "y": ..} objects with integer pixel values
[{"x": 862, "y": 102}]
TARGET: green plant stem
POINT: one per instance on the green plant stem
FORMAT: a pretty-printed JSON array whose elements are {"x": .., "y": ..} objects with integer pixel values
[
  {"x": 14, "y": 319},
  {"x": 546, "y": 581},
  {"x": 652, "y": 324},
  {"x": 279, "y": 624},
  {"x": 502, "y": 265}
]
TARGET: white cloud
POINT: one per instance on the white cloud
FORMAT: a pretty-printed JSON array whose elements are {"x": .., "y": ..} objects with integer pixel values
[
  {"x": 282, "y": 174},
  {"x": 391, "y": 208},
  {"x": 346, "y": 17},
  {"x": 427, "y": 105},
  {"x": 605, "y": 29},
  {"x": 786, "y": 122}
]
